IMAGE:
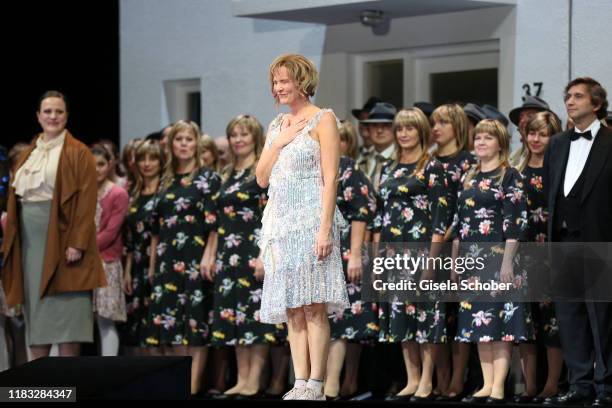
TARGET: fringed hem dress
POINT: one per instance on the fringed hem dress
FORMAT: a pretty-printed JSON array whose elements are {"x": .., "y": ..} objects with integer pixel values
[{"x": 290, "y": 223}]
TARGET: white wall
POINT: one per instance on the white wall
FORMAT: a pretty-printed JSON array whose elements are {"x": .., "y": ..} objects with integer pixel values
[
  {"x": 416, "y": 33},
  {"x": 168, "y": 40},
  {"x": 592, "y": 41},
  {"x": 162, "y": 40},
  {"x": 543, "y": 46},
  {"x": 542, "y": 52}
]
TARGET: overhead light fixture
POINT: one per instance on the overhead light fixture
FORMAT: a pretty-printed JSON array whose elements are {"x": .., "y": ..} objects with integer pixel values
[{"x": 372, "y": 18}]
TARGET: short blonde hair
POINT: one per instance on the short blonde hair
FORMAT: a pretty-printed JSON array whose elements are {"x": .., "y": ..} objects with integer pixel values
[
  {"x": 301, "y": 70},
  {"x": 545, "y": 119},
  {"x": 254, "y": 127},
  {"x": 541, "y": 120},
  {"x": 416, "y": 118},
  {"x": 141, "y": 151},
  {"x": 455, "y": 115},
  {"x": 171, "y": 164},
  {"x": 349, "y": 134},
  {"x": 496, "y": 129},
  {"x": 413, "y": 117}
]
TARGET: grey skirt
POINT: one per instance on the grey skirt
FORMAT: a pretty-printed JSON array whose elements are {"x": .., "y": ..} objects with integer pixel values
[{"x": 63, "y": 318}]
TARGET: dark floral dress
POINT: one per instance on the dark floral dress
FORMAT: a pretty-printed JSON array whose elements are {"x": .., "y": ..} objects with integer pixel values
[
  {"x": 536, "y": 204},
  {"x": 181, "y": 300},
  {"x": 545, "y": 318},
  {"x": 137, "y": 232},
  {"x": 357, "y": 202},
  {"x": 490, "y": 212},
  {"x": 237, "y": 294},
  {"x": 455, "y": 166},
  {"x": 412, "y": 207}
]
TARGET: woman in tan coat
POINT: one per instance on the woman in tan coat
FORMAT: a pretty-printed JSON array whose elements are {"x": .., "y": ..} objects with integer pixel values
[{"x": 51, "y": 260}]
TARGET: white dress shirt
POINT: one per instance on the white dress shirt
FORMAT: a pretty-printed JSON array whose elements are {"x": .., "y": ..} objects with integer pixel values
[{"x": 578, "y": 155}]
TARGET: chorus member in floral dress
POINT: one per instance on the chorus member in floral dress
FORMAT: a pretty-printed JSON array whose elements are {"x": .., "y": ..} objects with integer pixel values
[
  {"x": 358, "y": 324},
  {"x": 181, "y": 299},
  {"x": 491, "y": 218},
  {"x": 450, "y": 134},
  {"x": 148, "y": 158},
  {"x": 238, "y": 274},
  {"x": 539, "y": 129},
  {"x": 414, "y": 208}
]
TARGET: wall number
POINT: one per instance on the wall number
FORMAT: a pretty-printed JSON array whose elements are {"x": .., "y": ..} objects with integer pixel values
[{"x": 537, "y": 86}]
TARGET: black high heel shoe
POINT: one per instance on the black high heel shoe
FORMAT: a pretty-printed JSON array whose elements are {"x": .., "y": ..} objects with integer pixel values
[
  {"x": 224, "y": 396},
  {"x": 427, "y": 398},
  {"x": 257, "y": 395},
  {"x": 493, "y": 400},
  {"x": 446, "y": 398},
  {"x": 523, "y": 399},
  {"x": 399, "y": 398},
  {"x": 471, "y": 399}
]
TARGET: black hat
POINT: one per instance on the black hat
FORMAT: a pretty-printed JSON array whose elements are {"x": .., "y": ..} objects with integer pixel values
[
  {"x": 474, "y": 112},
  {"x": 154, "y": 136},
  {"x": 426, "y": 107},
  {"x": 367, "y": 107},
  {"x": 529, "y": 102},
  {"x": 493, "y": 113},
  {"x": 382, "y": 112}
]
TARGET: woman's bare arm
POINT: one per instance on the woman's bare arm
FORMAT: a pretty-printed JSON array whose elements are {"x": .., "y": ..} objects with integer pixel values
[{"x": 329, "y": 140}]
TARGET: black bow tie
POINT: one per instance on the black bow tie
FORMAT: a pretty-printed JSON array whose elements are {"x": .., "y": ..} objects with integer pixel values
[{"x": 575, "y": 135}]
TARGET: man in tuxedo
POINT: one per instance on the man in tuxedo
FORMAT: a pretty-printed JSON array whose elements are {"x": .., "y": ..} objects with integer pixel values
[{"x": 578, "y": 176}]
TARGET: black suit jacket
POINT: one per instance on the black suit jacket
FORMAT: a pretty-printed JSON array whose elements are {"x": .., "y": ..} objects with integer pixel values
[{"x": 596, "y": 199}]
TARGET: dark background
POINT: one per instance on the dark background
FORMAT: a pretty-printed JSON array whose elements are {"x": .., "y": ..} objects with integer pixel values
[{"x": 69, "y": 46}]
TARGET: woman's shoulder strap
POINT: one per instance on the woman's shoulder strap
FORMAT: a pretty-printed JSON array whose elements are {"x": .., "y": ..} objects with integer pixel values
[{"x": 317, "y": 118}]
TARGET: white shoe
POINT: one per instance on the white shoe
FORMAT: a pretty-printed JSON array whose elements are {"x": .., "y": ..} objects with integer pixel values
[
  {"x": 310, "y": 395},
  {"x": 293, "y": 393}
]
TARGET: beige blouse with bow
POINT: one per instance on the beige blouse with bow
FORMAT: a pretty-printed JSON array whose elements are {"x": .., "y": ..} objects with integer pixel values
[{"x": 35, "y": 180}]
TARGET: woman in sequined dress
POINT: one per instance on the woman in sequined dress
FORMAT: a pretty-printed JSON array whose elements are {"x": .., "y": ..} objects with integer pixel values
[{"x": 300, "y": 237}]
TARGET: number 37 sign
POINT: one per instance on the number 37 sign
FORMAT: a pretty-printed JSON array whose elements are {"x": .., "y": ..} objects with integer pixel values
[{"x": 533, "y": 89}]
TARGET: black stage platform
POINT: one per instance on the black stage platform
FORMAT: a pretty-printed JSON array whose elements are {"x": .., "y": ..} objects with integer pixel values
[{"x": 155, "y": 378}]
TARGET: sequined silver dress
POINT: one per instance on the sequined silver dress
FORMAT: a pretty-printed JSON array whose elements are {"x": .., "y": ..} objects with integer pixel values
[{"x": 290, "y": 223}]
